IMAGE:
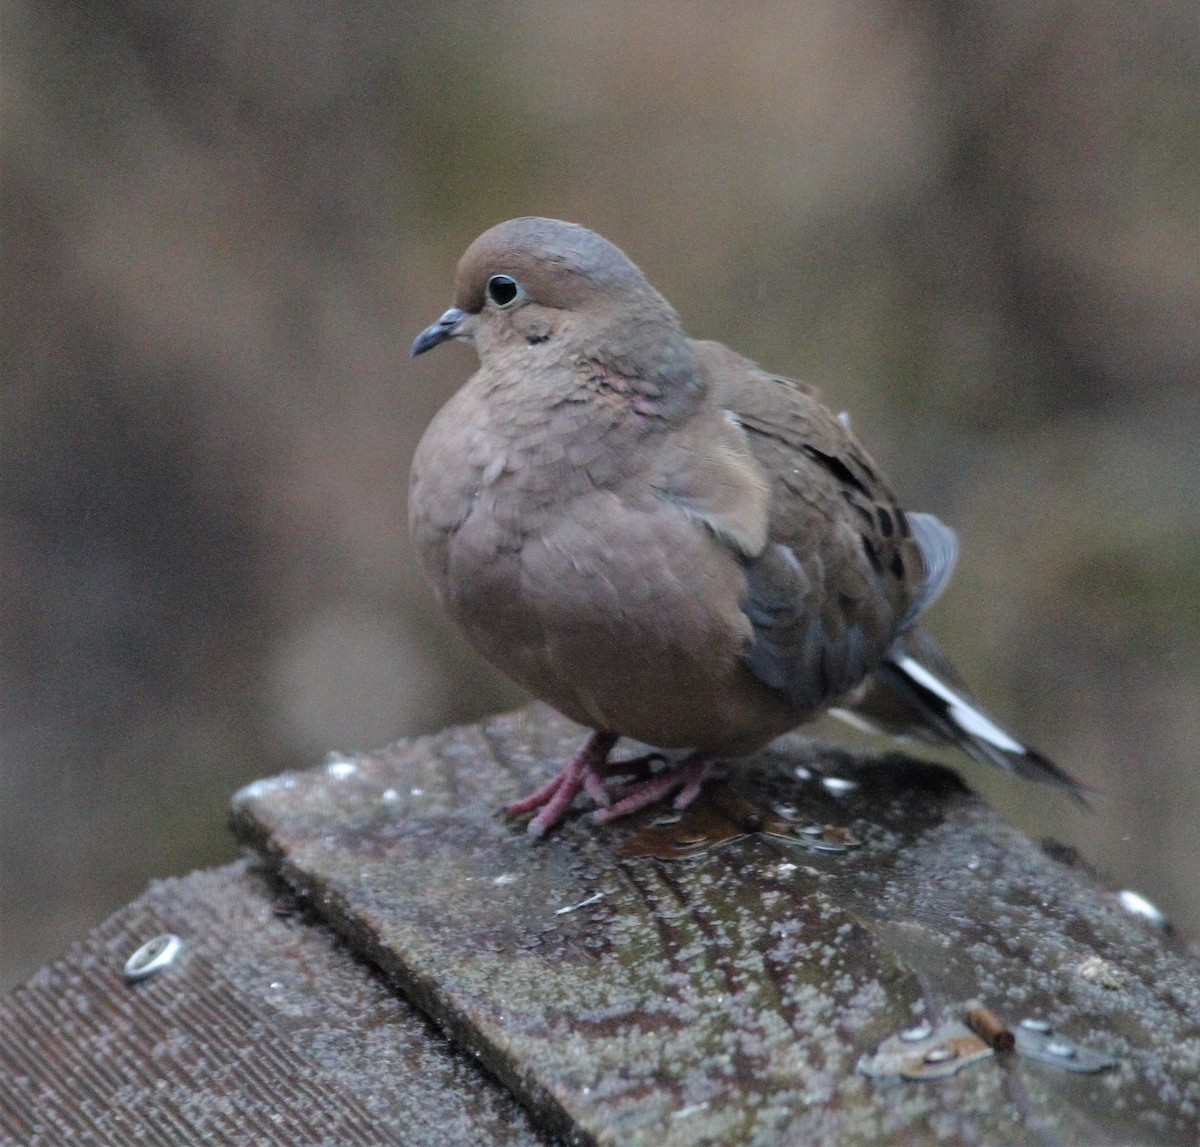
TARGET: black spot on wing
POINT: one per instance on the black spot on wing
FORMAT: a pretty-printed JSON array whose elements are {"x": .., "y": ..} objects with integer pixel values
[
  {"x": 838, "y": 469},
  {"x": 872, "y": 552}
]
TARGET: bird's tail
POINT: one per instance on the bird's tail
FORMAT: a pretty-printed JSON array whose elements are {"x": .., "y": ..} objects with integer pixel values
[{"x": 915, "y": 692}]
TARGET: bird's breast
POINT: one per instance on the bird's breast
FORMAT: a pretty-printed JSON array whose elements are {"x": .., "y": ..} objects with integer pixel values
[{"x": 598, "y": 596}]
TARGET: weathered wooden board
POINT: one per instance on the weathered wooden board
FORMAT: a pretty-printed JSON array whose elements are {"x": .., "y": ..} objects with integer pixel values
[
  {"x": 265, "y": 1031},
  {"x": 729, "y": 997}
]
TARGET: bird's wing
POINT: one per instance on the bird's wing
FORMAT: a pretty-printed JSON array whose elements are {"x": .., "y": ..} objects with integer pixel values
[{"x": 843, "y": 570}]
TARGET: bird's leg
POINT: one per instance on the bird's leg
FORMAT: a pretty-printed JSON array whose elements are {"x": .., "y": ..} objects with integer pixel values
[
  {"x": 555, "y": 797},
  {"x": 684, "y": 779}
]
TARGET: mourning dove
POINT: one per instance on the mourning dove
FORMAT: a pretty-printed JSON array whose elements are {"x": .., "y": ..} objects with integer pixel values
[{"x": 662, "y": 540}]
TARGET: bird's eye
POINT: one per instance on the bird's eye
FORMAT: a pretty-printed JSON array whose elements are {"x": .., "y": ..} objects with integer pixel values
[{"x": 503, "y": 290}]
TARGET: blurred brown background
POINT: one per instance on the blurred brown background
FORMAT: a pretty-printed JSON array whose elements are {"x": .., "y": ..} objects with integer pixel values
[{"x": 974, "y": 225}]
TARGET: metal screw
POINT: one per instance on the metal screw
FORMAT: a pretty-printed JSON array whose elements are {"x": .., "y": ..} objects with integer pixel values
[
  {"x": 916, "y": 1034},
  {"x": 1033, "y": 1025},
  {"x": 1060, "y": 1048},
  {"x": 153, "y": 957}
]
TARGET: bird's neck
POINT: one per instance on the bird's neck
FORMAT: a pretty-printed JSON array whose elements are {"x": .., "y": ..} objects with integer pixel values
[
  {"x": 639, "y": 374},
  {"x": 649, "y": 363}
]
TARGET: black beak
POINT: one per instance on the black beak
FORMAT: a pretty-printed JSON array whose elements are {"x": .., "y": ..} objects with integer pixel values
[{"x": 445, "y": 328}]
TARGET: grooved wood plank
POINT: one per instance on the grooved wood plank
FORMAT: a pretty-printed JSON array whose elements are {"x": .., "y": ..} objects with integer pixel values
[{"x": 266, "y": 1031}]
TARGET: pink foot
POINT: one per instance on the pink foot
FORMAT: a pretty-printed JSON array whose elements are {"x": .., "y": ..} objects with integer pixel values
[
  {"x": 587, "y": 772},
  {"x": 555, "y": 797},
  {"x": 684, "y": 779}
]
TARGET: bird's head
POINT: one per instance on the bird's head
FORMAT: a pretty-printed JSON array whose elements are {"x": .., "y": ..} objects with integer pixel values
[{"x": 532, "y": 281}]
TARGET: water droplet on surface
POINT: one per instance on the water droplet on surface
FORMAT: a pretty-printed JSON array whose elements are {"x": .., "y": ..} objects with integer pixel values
[
  {"x": 1138, "y": 905},
  {"x": 940, "y": 1054}
]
